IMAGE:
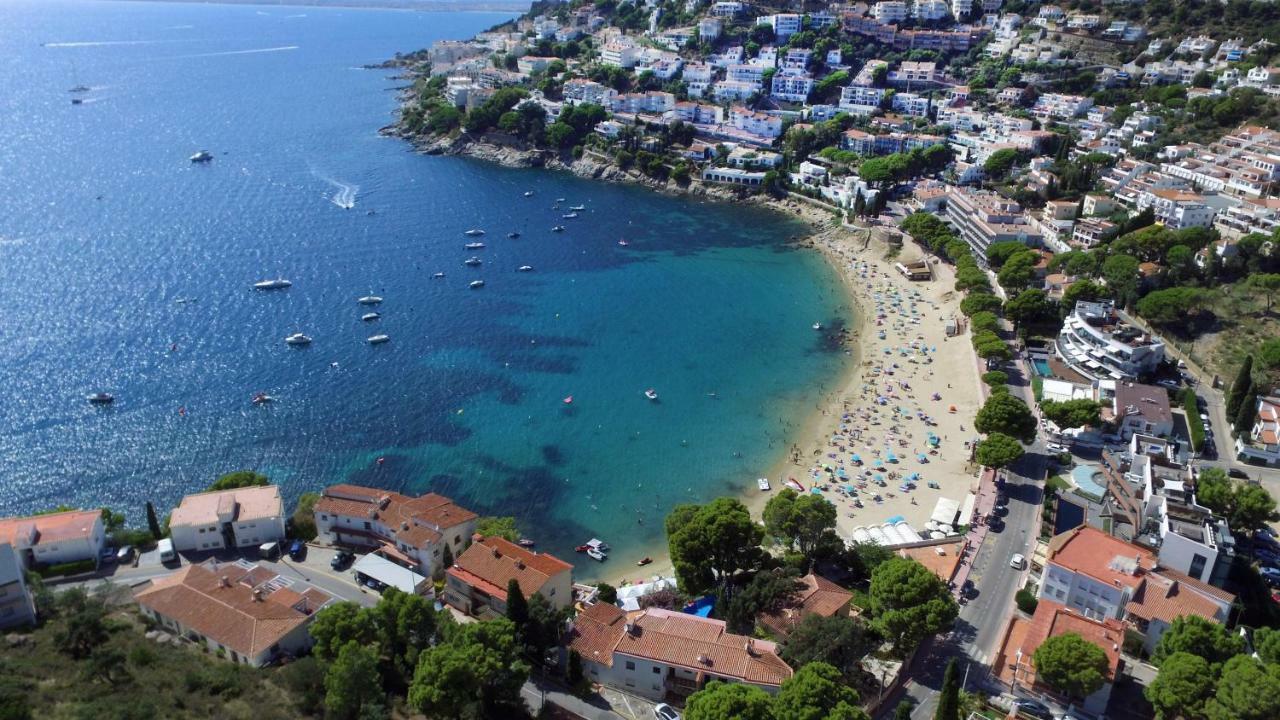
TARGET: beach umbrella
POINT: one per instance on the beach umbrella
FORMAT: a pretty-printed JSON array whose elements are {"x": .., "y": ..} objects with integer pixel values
[
  {"x": 879, "y": 477},
  {"x": 921, "y": 457},
  {"x": 857, "y": 458},
  {"x": 878, "y": 463}
]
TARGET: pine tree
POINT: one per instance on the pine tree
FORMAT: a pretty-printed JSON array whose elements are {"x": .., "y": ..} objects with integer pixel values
[
  {"x": 1245, "y": 413},
  {"x": 517, "y": 606},
  {"x": 949, "y": 698},
  {"x": 1244, "y": 379},
  {"x": 152, "y": 523}
]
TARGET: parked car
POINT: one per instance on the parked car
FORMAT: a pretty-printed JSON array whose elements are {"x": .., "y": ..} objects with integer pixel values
[
  {"x": 1170, "y": 384},
  {"x": 663, "y": 711},
  {"x": 1032, "y": 708},
  {"x": 1057, "y": 448},
  {"x": 108, "y": 555},
  {"x": 1238, "y": 474},
  {"x": 124, "y": 554},
  {"x": 1017, "y": 562},
  {"x": 1270, "y": 574},
  {"x": 297, "y": 550},
  {"x": 342, "y": 559},
  {"x": 269, "y": 550}
]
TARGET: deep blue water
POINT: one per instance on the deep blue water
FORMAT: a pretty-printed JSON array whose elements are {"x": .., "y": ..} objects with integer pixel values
[{"x": 105, "y": 225}]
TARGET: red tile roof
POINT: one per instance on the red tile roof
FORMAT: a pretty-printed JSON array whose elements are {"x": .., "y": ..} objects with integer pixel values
[
  {"x": 1091, "y": 552},
  {"x": 1165, "y": 598},
  {"x": 417, "y": 522},
  {"x": 50, "y": 528},
  {"x": 1053, "y": 619},
  {"x": 495, "y": 561},
  {"x": 819, "y": 596},
  {"x": 596, "y": 632}
]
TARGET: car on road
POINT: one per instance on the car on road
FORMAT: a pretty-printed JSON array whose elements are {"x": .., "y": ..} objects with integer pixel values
[
  {"x": 124, "y": 554},
  {"x": 1017, "y": 562},
  {"x": 1170, "y": 384},
  {"x": 1057, "y": 448},
  {"x": 663, "y": 711},
  {"x": 297, "y": 550},
  {"x": 342, "y": 559},
  {"x": 995, "y": 524},
  {"x": 1238, "y": 474},
  {"x": 1270, "y": 575},
  {"x": 1027, "y": 707}
]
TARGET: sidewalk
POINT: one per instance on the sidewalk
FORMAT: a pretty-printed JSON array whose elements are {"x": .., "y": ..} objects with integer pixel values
[{"x": 538, "y": 691}]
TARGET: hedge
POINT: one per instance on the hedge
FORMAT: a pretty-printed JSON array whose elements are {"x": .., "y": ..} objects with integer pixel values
[
  {"x": 1194, "y": 423},
  {"x": 1026, "y": 601},
  {"x": 67, "y": 568}
]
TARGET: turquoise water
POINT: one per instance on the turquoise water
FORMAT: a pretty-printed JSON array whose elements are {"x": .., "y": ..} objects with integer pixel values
[
  {"x": 1089, "y": 479},
  {"x": 106, "y": 226},
  {"x": 1042, "y": 367}
]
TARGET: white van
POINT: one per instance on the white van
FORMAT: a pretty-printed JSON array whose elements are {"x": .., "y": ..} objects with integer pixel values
[{"x": 165, "y": 546}]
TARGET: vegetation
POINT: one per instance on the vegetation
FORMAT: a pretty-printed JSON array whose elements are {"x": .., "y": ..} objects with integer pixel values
[
  {"x": 998, "y": 450},
  {"x": 1206, "y": 672},
  {"x": 800, "y": 521},
  {"x": 815, "y": 692},
  {"x": 949, "y": 697},
  {"x": 1071, "y": 665},
  {"x": 711, "y": 543},
  {"x": 1072, "y": 413},
  {"x": 1191, "y": 407},
  {"x": 1008, "y": 415},
  {"x": 909, "y": 603},
  {"x": 302, "y": 524},
  {"x": 838, "y": 641},
  {"x": 503, "y": 527},
  {"x": 1247, "y": 507},
  {"x": 239, "y": 479},
  {"x": 1026, "y": 601}
]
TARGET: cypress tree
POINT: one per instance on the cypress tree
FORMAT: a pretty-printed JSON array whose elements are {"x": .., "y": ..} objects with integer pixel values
[
  {"x": 153, "y": 524},
  {"x": 1245, "y": 413},
  {"x": 949, "y": 699},
  {"x": 1244, "y": 379},
  {"x": 517, "y": 606}
]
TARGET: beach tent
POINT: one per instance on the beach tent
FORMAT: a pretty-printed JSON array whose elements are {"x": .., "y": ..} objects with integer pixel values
[{"x": 945, "y": 511}]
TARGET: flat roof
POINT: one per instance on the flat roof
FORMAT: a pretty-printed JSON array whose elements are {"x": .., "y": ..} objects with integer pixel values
[{"x": 389, "y": 573}]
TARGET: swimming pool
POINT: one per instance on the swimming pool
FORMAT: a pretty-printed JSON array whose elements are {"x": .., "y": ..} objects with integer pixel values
[
  {"x": 1089, "y": 479},
  {"x": 1041, "y": 366}
]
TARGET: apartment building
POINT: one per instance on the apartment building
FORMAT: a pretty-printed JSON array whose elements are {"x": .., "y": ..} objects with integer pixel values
[
  {"x": 791, "y": 87},
  {"x": 756, "y": 123},
  {"x": 477, "y": 582},
  {"x": 588, "y": 92},
  {"x": 861, "y": 96},
  {"x": 1091, "y": 232},
  {"x": 1263, "y": 441},
  {"x": 911, "y": 104},
  {"x": 55, "y": 538},
  {"x": 710, "y": 28},
  {"x": 699, "y": 113},
  {"x": 239, "y": 518},
  {"x": 784, "y": 24},
  {"x": 726, "y": 91},
  {"x": 745, "y": 73},
  {"x": 1061, "y": 107},
  {"x": 728, "y": 8},
  {"x": 909, "y": 72},
  {"x": 1053, "y": 619},
  {"x": 654, "y": 102},
  {"x": 930, "y": 10},
  {"x": 1252, "y": 215},
  {"x": 17, "y": 608},
  {"x": 982, "y": 218},
  {"x": 619, "y": 54},
  {"x": 1142, "y": 409},
  {"x": 1096, "y": 343},
  {"x": 890, "y": 11},
  {"x": 1177, "y": 209}
]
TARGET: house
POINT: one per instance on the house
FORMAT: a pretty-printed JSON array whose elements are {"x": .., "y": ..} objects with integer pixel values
[
  {"x": 243, "y": 517},
  {"x": 1177, "y": 209},
  {"x": 756, "y": 123},
  {"x": 791, "y": 86},
  {"x": 1142, "y": 409},
  {"x": 1052, "y": 619},
  {"x": 817, "y": 596},
  {"x": 1263, "y": 442},
  {"x": 784, "y": 24},
  {"x": 17, "y": 607},
  {"x": 619, "y": 54},
  {"x": 477, "y": 582},
  {"x": 655, "y": 653},
  {"x": 861, "y": 96},
  {"x": 579, "y": 91},
  {"x": 890, "y": 11},
  {"x": 913, "y": 72},
  {"x": 1166, "y": 595},
  {"x": 55, "y": 538},
  {"x": 411, "y": 531},
  {"x": 732, "y": 176},
  {"x": 1093, "y": 573},
  {"x": 982, "y": 218},
  {"x": 244, "y": 612}
]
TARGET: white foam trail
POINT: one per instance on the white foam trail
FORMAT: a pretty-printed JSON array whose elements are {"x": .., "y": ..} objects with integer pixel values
[
  {"x": 287, "y": 17},
  {"x": 109, "y": 43},
  {"x": 282, "y": 48},
  {"x": 183, "y": 27}
]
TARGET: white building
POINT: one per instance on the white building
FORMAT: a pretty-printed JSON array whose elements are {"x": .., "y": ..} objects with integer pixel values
[
  {"x": 961, "y": 9},
  {"x": 55, "y": 538},
  {"x": 728, "y": 8},
  {"x": 756, "y": 123},
  {"x": 1177, "y": 209},
  {"x": 1096, "y": 343},
  {"x": 709, "y": 29},
  {"x": 911, "y": 104},
  {"x": 619, "y": 54},
  {"x": 861, "y": 96},
  {"x": 982, "y": 218},
  {"x": 784, "y": 24},
  {"x": 745, "y": 73},
  {"x": 930, "y": 10},
  {"x": 1142, "y": 409},
  {"x": 890, "y": 11},
  {"x": 792, "y": 87},
  {"x": 588, "y": 92},
  {"x": 1264, "y": 437},
  {"x": 17, "y": 608},
  {"x": 730, "y": 91},
  {"x": 243, "y": 517},
  {"x": 1093, "y": 573}
]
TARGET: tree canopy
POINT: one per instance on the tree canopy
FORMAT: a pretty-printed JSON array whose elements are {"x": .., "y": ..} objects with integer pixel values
[
  {"x": 474, "y": 672},
  {"x": 1076, "y": 413},
  {"x": 719, "y": 700},
  {"x": 712, "y": 542},
  {"x": 839, "y": 641},
  {"x": 1071, "y": 665},
  {"x": 498, "y": 526},
  {"x": 239, "y": 479},
  {"x": 1003, "y": 413},
  {"x": 909, "y": 603},
  {"x": 1200, "y": 637},
  {"x": 801, "y": 521},
  {"x": 815, "y": 692},
  {"x": 998, "y": 450}
]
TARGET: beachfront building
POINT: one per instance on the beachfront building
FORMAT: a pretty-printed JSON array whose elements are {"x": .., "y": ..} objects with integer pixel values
[
  {"x": 816, "y": 596},
  {"x": 55, "y": 538},
  {"x": 655, "y": 653},
  {"x": 243, "y": 517},
  {"x": 1096, "y": 343},
  {"x": 1263, "y": 441},
  {"x": 17, "y": 607},
  {"x": 410, "y": 531},
  {"x": 245, "y": 613},
  {"x": 1093, "y": 573},
  {"x": 477, "y": 582},
  {"x": 982, "y": 218},
  {"x": 732, "y": 176}
]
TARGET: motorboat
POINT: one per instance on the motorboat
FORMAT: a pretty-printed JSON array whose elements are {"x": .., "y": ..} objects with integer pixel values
[
  {"x": 598, "y": 544},
  {"x": 437, "y": 276},
  {"x": 513, "y": 235},
  {"x": 578, "y": 208},
  {"x": 651, "y": 394},
  {"x": 623, "y": 243},
  {"x": 763, "y": 484},
  {"x": 370, "y": 317},
  {"x": 569, "y": 216},
  {"x": 77, "y": 101},
  {"x": 378, "y": 339},
  {"x": 472, "y": 261},
  {"x": 644, "y": 561},
  {"x": 525, "y": 268},
  {"x": 262, "y": 399},
  {"x": 277, "y": 284},
  {"x": 559, "y": 200},
  {"x": 596, "y": 555},
  {"x": 568, "y": 400},
  {"x": 476, "y": 284},
  {"x": 474, "y": 232},
  {"x": 474, "y": 246},
  {"x": 101, "y": 398},
  {"x": 80, "y": 89},
  {"x": 528, "y": 193},
  {"x": 558, "y": 228},
  {"x": 817, "y": 326},
  {"x": 202, "y": 157},
  {"x": 525, "y": 542},
  {"x": 369, "y": 300},
  {"x": 298, "y": 339}
]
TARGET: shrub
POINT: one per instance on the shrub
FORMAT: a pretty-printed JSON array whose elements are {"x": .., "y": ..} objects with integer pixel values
[
  {"x": 67, "y": 568},
  {"x": 996, "y": 378},
  {"x": 1026, "y": 601},
  {"x": 1194, "y": 423}
]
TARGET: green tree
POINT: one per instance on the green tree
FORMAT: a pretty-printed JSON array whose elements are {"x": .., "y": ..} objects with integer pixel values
[
  {"x": 712, "y": 542},
  {"x": 839, "y": 641},
  {"x": 1071, "y": 665},
  {"x": 607, "y": 593},
  {"x": 719, "y": 700},
  {"x": 800, "y": 520},
  {"x": 339, "y": 624},
  {"x": 995, "y": 378},
  {"x": 1029, "y": 306},
  {"x": 1266, "y": 642},
  {"x": 1200, "y": 637},
  {"x": 544, "y": 628},
  {"x": 1018, "y": 271},
  {"x": 768, "y": 591},
  {"x": 998, "y": 451},
  {"x": 984, "y": 322},
  {"x": 153, "y": 523},
  {"x": 1082, "y": 290},
  {"x": 1004, "y": 413},
  {"x": 474, "y": 672},
  {"x": 503, "y": 527},
  {"x": 1247, "y": 411},
  {"x": 352, "y": 683},
  {"x": 239, "y": 479},
  {"x": 1072, "y": 413},
  {"x": 1265, "y": 285},
  {"x": 977, "y": 302},
  {"x": 517, "y": 606},
  {"x": 909, "y": 603},
  {"x": 814, "y": 693},
  {"x": 1247, "y": 690},
  {"x": 574, "y": 671},
  {"x": 303, "y": 520},
  {"x": 83, "y": 627},
  {"x": 1121, "y": 274},
  {"x": 999, "y": 163},
  {"x": 1181, "y": 688},
  {"x": 1171, "y": 306},
  {"x": 1269, "y": 353},
  {"x": 1244, "y": 379},
  {"x": 949, "y": 698},
  {"x": 998, "y": 253}
]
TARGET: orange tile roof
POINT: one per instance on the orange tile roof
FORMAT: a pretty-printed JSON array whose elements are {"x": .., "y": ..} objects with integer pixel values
[
  {"x": 1053, "y": 619},
  {"x": 1198, "y": 585},
  {"x": 1091, "y": 552},
  {"x": 218, "y": 601},
  {"x": 596, "y": 632},
  {"x": 943, "y": 565},
  {"x": 819, "y": 596},
  {"x": 50, "y": 528},
  {"x": 417, "y": 522},
  {"x": 496, "y": 561},
  {"x": 1165, "y": 598}
]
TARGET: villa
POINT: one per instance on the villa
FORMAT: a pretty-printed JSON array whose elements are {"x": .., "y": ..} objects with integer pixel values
[
  {"x": 817, "y": 596},
  {"x": 55, "y": 538},
  {"x": 243, "y": 517},
  {"x": 1263, "y": 441},
  {"x": 1142, "y": 409},
  {"x": 477, "y": 582}
]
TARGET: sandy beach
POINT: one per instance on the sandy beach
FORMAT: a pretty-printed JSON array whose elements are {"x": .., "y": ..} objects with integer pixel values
[{"x": 892, "y": 439}]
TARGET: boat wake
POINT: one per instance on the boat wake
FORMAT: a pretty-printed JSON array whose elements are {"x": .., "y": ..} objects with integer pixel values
[
  {"x": 256, "y": 51},
  {"x": 109, "y": 43},
  {"x": 344, "y": 194}
]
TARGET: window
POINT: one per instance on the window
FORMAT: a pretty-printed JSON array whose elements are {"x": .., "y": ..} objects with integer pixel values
[
  {"x": 631, "y": 665},
  {"x": 457, "y": 539},
  {"x": 366, "y": 525},
  {"x": 201, "y": 531},
  {"x": 324, "y": 517},
  {"x": 1198, "y": 562},
  {"x": 657, "y": 670}
]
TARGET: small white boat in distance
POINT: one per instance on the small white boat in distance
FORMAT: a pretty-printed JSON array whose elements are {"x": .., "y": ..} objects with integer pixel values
[
  {"x": 472, "y": 261},
  {"x": 474, "y": 232},
  {"x": 477, "y": 284},
  {"x": 262, "y": 399},
  {"x": 596, "y": 555},
  {"x": 370, "y": 317},
  {"x": 474, "y": 246},
  {"x": 528, "y": 193},
  {"x": 369, "y": 300},
  {"x": 437, "y": 276},
  {"x": 101, "y": 398},
  {"x": 298, "y": 339},
  {"x": 651, "y": 394},
  {"x": 525, "y": 268},
  {"x": 559, "y": 199},
  {"x": 277, "y": 284},
  {"x": 817, "y": 326},
  {"x": 202, "y": 157},
  {"x": 623, "y": 243},
  {"x": 378, "y": 339},
  {"x": 578, "y": 208},
  {"x": 569, "y": 216},
  {"x": 513, "y": 235},
  {"x": 558, "y": 228},
  {"x": 763, "y": 484}
]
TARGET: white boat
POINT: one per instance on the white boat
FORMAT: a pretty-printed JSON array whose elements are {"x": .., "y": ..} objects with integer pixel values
[
  {"x": 596, "y": 555},
  {"x": 651, "y": 394},
  {"x": 472, "y": 261},
  {"x": 569, "y": 216},
  {"x": 370, "y": 317},
  {"x": 578, "y": 208},
  {"x": 763, "y": 484},
  {"x": 378, "y": 339},
  {"x": 513, "y": 235},
  {"x": 298, "y": 339},
  {"x": 474, "y": 232},
  {"x": 202, "y": 157},
  {"x": 262, "y": 399},
  {"x": 476, "y": 284},
  {"x": 817, "y": 326},
  {"x": 474, "y": 246},
  {"x": 524, "y": 268},
  {"x": 559, "y": 199},
  {"x": 558, "y": 228},
  {"x": 438, "y": 275},
  {"x": 599, "y": 544},
  {"x": 277, "y": 284},
  {"x": 528, "y": 193},
  {"x": 101, "y": 398},
  {"x": 369, "y": 300}
]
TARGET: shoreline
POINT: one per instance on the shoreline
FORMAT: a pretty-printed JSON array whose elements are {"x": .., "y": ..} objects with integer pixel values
[{"x": 806, "y": 442}]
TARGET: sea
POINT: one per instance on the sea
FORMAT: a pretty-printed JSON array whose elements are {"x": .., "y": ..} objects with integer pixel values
[{"x": 126, "y": 268}]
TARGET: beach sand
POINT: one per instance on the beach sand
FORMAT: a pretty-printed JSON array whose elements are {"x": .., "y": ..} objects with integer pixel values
[{"x": 872, "y": 414}]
